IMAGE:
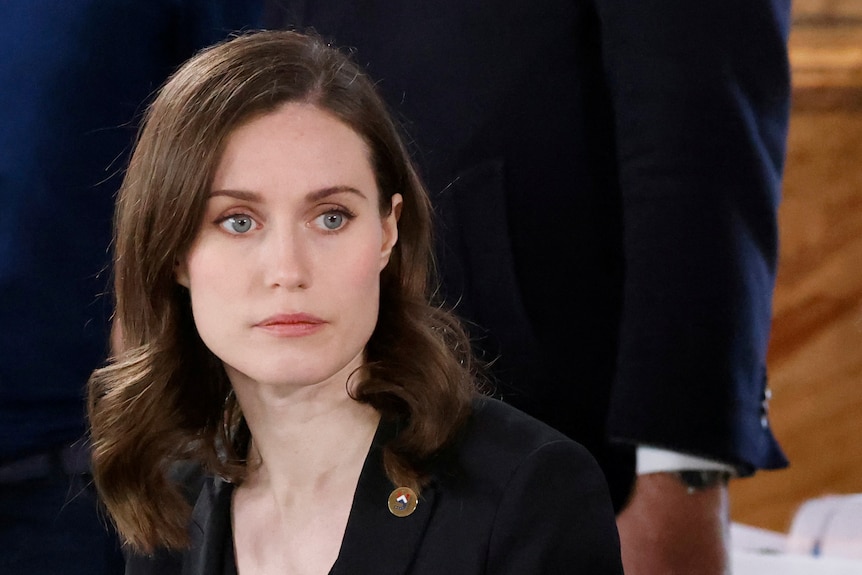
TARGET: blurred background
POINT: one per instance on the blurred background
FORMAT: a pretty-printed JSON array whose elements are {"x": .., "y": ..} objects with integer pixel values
[{"x": 815, "y": 356}]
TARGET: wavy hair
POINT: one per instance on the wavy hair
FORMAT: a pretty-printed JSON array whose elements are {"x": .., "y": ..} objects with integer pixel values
[{"x": 163, "y": 397}]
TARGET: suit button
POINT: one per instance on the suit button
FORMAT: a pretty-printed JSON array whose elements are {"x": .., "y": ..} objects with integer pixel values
[{"x": 764, "y": 408}]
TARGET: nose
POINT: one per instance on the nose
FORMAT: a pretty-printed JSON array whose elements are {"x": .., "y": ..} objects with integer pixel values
[{"x": 286, "y": 259}]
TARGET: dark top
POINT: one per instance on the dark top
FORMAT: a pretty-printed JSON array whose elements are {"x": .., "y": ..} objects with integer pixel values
[
  {"x": 606, "y": 176},
  {"x": 513, "y": 496},
  {"x": 74, "y": 76}
]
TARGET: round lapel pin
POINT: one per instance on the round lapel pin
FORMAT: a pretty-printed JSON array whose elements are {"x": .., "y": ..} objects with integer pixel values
[{"x": 403, "y": 502}]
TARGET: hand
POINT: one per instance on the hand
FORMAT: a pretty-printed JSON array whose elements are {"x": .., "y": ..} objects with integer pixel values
[{"x": 665, "y": 530}]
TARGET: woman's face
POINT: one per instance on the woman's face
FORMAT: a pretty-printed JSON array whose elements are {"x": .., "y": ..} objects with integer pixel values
[{"x": 284, "y": 273}]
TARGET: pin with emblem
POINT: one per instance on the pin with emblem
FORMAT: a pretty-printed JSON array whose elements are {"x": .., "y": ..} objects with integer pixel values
[{"x": 403, "y": 502}]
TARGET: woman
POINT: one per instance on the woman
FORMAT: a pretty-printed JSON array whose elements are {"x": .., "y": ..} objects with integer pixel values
[{"x": 275, "y": 329}]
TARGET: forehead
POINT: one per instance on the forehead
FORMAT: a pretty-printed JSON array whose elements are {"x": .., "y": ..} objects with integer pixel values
[{"x": 298, "y": 146}]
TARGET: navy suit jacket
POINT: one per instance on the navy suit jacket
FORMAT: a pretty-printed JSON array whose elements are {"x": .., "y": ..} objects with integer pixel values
[
  {"x": 606, "y": 175},
  {"x": 513, "y": 496},
  {"x": 75, "y": 76}
]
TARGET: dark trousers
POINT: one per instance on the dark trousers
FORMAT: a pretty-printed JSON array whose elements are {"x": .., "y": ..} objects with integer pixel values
[{"x": 52, "y": 525}]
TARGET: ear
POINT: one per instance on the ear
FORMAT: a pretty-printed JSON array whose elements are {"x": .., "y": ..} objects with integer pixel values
[
  {"x": 390, "y": 229},
  {"x": 181, "y": 273}
]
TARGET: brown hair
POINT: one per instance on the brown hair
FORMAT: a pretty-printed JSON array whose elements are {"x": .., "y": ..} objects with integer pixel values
[{"x": 164, "y": 397}]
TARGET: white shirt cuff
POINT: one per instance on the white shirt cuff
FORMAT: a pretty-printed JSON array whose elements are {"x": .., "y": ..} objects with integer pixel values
[{"x": 655, "y": 460}]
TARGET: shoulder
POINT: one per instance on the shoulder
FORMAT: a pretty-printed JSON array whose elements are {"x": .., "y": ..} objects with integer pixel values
[
  {"x": 495, "y": 426},
  {"x": 500, "y": 442},
  {"x": 535, "y": 499}
]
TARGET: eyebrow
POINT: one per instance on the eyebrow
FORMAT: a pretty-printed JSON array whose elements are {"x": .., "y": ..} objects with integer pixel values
[{"x": 314, "y": 196}]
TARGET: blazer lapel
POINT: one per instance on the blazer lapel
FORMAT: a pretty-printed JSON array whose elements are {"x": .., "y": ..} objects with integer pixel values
[
  {"x": 209, "y": 530},
  {"x": 375, "y": 540}
]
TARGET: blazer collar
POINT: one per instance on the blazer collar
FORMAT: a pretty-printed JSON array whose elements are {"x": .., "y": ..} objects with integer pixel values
[
  {"x": 210, "y": 529},
  {"x": 375, "y": 540}
]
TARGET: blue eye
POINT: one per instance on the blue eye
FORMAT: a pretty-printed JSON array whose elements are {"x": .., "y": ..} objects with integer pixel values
[
  {"x": 332, "y": 220},
  {"x": 238, "y": 224}
]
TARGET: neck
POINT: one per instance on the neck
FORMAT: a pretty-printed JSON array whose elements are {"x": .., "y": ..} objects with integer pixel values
[{"x": 307, "y": 442}]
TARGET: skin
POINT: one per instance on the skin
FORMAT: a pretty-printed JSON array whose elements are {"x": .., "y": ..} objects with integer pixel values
[
  {"x": 284, "y": 277},
  {"x": 665, "y": 530}
]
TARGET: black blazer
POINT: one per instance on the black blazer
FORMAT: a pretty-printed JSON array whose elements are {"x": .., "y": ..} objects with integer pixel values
[
  {"x": 513, "y": 496},
  {"x": 606, "y": 175}
]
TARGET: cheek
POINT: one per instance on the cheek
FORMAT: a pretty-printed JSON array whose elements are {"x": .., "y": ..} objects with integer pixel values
[
  {"x": 358, "y": 281},
  {"x": 214, "y": 287},
  {"x": 363, "y": 271},
  {"x": 211, "y": 268}
]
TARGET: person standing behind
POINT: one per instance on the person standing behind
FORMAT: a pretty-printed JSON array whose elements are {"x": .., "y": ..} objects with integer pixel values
[
  {"x": 73, "y": 77},
  {"x": 606, "y": 176}
]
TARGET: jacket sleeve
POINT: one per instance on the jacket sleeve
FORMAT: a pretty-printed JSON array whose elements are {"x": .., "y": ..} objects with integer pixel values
[
  {"x": 701, "y": 97},
  {"x": 555, "y": 517}
]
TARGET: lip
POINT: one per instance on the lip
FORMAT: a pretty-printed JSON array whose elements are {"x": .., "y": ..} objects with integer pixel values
[{"x": 291, "y": 325}]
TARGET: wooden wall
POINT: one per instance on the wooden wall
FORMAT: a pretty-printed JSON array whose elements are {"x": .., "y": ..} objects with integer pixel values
[{"x": 815, "y": 356}]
